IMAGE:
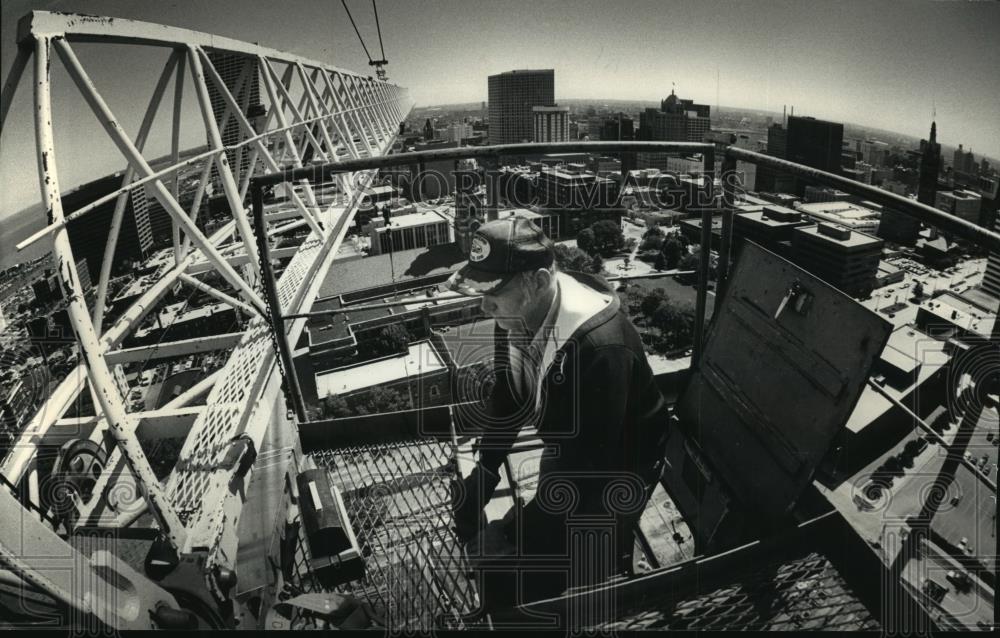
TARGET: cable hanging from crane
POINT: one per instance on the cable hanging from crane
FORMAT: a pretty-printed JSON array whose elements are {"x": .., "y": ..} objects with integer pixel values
[{"x": 378, "y": 64}]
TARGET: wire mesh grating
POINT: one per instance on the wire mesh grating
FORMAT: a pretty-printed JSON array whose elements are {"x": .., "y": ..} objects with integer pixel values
[
  {"x": 398, "y": 500},
  {"x": 802, "y": 593}
]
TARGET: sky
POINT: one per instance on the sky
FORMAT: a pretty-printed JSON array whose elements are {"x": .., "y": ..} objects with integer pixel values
[{"x": 875, "y": 63}]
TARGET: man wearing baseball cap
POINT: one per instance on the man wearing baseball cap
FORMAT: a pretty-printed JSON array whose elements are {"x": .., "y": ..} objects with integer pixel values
[{"x": 569, "y": 363}]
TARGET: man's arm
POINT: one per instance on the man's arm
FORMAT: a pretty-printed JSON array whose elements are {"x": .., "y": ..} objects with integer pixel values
[
  {"x": 503, "y": 423},
  {"x": 605, "y": 393}
]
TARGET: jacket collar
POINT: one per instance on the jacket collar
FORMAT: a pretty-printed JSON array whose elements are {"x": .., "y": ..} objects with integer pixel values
[{"x": 585, "y": 302}]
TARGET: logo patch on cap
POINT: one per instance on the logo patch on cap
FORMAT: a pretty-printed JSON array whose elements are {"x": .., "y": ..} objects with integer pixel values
[{"x": 480, "y": 249}]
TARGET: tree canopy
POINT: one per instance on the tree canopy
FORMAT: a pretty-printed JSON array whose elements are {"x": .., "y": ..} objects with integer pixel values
[
  {"x": 608, "y": 237},
  {"x": 569, "y": 258}
]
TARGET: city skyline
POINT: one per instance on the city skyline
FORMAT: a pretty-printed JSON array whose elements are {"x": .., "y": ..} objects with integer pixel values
[
  {"x": 267, "y": 375},
  {"x": 836, "y": 57}
]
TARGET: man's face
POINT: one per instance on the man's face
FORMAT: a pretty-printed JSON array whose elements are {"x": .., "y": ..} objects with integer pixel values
[{"x": 509, "y": 305}]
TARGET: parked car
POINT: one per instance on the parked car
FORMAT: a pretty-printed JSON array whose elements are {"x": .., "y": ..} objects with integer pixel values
[{"x": 934, "y": 590}]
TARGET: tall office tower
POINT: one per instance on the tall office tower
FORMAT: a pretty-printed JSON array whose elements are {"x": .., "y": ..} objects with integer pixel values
[
  {"x": 964, "y": 161},
  {"x": 511, "y": 97},
  {"x": 768, "y": 180},
  {"x": 618, "y": 128},
  {"x": 930, "y": 159},
  {"x": 240, "y": 73},
  {"x": 551, "y": 123},
  {"x": 677, "y": 120},
  {"x": 814, "y": 143},
  {"x": 874, "y": 152},
  {"x": 459, "y": 131},
  {"x": 88, "y": 235},
  {"x": 991, "y": 280}
]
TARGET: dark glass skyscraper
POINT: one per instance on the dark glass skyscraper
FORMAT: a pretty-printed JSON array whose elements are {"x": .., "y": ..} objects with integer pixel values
[{"x": 815, "y": 143}]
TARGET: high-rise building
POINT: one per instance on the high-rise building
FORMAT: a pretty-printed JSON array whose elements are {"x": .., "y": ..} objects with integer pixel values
[
  {"x": 961, "y": 203},
  {"x": 511, "y": 97},
  {"x": 874, "y": 152},
  {"x": 459, "y": 131},
  {"x": 88, "y": 235},
  {"x": 839, "y": 256},
  {"x": 863, "y": 172},
  {"x": 814, "y": 143},
  {"x": 676, "y": 120},
  {"x": 594, "y": 124},
  {"x": 570, "y": 187},
  {"x": 771, "y": 227},
  {"x": 240, "y": 74},
  {"x": 768, "y": 180},
  {"x": 930, "y": 160},
  {"x": 963, "y": 161},
  {"x": 991, "y": 280},
  {"x": 551, "y": 123},
  {"x": 618, "y": 128}
]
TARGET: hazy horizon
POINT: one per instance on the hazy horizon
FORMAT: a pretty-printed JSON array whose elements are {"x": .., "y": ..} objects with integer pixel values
[{"x": 881, "y": 65}]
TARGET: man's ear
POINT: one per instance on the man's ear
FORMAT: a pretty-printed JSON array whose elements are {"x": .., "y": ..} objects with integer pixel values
[{"x": 543, "y": 279}]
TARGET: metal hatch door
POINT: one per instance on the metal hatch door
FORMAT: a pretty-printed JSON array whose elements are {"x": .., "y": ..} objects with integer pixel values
[{"x": 785, "y": 361}]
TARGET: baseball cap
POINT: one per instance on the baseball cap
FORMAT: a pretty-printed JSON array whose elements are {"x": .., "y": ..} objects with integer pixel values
[{"x": 500, "y": 249}]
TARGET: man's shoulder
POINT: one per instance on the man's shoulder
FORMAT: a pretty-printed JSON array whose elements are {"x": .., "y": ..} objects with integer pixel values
[{"x": 615, "y": 334}]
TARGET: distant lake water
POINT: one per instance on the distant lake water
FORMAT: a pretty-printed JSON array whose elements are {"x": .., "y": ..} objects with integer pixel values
[{"x": 16, "y": 227}]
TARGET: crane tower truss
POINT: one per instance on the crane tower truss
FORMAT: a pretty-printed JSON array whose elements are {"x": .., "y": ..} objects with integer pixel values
[{"x": 262, "y": 111}]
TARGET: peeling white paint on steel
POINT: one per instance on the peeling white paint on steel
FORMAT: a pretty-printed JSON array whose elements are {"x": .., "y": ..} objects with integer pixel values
[{"x": 103, "y": 384}]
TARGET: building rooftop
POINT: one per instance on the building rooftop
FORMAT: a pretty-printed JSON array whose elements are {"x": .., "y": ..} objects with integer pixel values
[
  {"x": 856, "y": 240},
  {"x": 956, "y": 309},
  {"x": 907, "y": 349},
  {"x": 421, "y": 218},
  {"x": 961, "y": 194},
  {"x": 850, "y": 215},
  {"x": 565, "y": 173},
  {"x": 763, "y": 216},
  {"x": 368, "y": 272},
  {"x": 523, "y": 212},
  {"x": 421, "y": 358},
  {"x": 516, "y": 71},
  {"x": 175, "y": 313},
  {"x": 885, "y": 268}
]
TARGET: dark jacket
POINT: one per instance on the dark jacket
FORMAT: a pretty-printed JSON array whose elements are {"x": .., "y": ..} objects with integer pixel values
[{"x": 601, "y": 409}]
